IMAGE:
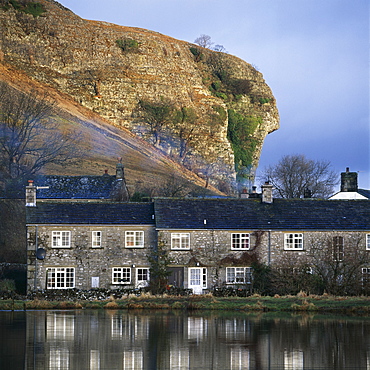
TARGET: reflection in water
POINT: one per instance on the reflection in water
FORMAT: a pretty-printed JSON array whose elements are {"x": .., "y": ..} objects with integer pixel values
[{"x": 111, "y": 340}]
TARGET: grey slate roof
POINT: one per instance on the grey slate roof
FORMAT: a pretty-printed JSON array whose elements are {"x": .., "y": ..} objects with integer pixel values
[
  {"x": 65, "y": 187},
  {"x": 364, "y": 192},
  {"x": 282, "y": 214},
  {"x": 75, "y": 187},
  {"x": 91, "y": 213}
]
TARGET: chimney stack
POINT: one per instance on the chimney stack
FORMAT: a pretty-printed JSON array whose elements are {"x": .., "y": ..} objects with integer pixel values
[
  {"x": 30, "y": 194},
  {"x": 348, "y": 181},
  {"x": 244, "y": 194},
  {"x": 267, "y": 193},
  {"x": 120, "y": 190},
  {"x": 119, "y": 170}
]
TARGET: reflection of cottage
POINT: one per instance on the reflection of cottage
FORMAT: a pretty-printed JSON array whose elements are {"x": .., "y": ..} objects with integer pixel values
[
  {"x": 211, "y": 242},
  {"x": 349, "y": 187}
]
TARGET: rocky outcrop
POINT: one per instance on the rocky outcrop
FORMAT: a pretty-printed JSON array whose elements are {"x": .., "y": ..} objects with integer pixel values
[{"x": 124, "y": 74}]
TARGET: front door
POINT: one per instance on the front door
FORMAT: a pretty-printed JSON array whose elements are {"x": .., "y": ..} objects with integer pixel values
[
  {"x": 142, "y": 277},
  {"x": 197, "y": 279},
  {"x": 176, "y": 277}
]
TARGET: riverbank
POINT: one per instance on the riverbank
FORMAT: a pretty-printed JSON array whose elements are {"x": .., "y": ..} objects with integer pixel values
[{"x": 299, "y": 303}]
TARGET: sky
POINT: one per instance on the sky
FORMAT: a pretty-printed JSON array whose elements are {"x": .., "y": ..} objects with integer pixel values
[{"x": 314, "y": 55}]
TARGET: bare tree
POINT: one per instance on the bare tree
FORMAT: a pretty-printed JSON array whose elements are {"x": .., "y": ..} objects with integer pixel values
[
  {"x": 30, "y": 138},
  {"x": 219, "y": 48},
  {"x": 204, "y": 41},
  {"x": 294, "y": 175},
  {"x": 174, "y": 187},
  {"x": 337, "y": 260}
]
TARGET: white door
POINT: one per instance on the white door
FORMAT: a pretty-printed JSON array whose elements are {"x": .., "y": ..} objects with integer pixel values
[
  {"x": 142, "y": 277},
  {"x": 197, "y": 279}
]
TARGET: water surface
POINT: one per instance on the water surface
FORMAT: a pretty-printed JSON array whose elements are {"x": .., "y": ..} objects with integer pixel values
[{"x": 103, "y": 339}]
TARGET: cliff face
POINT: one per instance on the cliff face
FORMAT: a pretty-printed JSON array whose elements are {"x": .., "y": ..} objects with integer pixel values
[{"x": 176, "y": 95}]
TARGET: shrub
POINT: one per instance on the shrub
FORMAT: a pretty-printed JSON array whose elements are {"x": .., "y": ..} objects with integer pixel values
[
  {"x": 177, "y": 305},
  {"x": 111, "y": 305},
  {"x": 241, "y": 86},
  {"x": 128, "y": 45},
  {"x": 7, "y": 286},
  {"x": 264, "y": 100},
  {"x": 39, "y": 304},
  {"x": 198, "y": 55},
  {"x": 36, "y": 9}
]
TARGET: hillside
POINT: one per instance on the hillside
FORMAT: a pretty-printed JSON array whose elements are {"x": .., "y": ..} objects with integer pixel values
[{"x": 111, "y": 81}]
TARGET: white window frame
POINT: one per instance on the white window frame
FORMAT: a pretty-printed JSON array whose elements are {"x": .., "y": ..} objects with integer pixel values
[
  {"x": 134, "y": 239},
  {"x": 180, "y": 241},
  {"x": 293, "y": 241},
  {"x": 243, "y": 274},
  {"x": 121, "y": 275},
  {"x": 238, "y": 240},
  {"x": 367, "y": 242},
  {"x": 61, "y": 239},
  {"x": 141, "y": 283},
  {"x": 60, "y": 277},
  {"x": 96, "y": 239}
]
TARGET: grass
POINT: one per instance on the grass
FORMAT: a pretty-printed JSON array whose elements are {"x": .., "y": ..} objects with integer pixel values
[{"x": 256, "y": 303}]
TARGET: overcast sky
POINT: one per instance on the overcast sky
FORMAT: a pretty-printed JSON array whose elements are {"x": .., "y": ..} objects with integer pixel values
[{"x": 314, "y": 54}]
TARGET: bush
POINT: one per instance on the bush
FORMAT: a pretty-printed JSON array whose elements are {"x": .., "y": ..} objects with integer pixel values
[
  {"x": 231, "y": 292},
  {"x": 7, "y": 286},
  {"x": 241, "y": 86},
  {"x": 36, "y": 9},
  {"x": 264, "y": 100},
  {"x": 198, "y": 55},
  {"x": 128, "y": 45}
]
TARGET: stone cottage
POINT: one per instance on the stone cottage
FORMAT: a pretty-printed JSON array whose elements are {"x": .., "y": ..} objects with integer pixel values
[{"x": 210, "y": 242}]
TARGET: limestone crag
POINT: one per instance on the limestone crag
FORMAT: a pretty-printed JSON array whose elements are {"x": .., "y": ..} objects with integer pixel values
[{"x": 110, "y": 69}]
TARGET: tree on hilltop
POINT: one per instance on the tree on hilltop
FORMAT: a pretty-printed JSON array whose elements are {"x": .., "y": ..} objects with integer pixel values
[{"x": 204, "y": 41}]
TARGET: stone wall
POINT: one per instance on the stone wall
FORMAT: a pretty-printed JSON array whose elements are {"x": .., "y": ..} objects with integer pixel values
[
  {"x": 88, "y": 261},
  {"x": 209, "y": 249},
  {"x": 212, "y": 249}
]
